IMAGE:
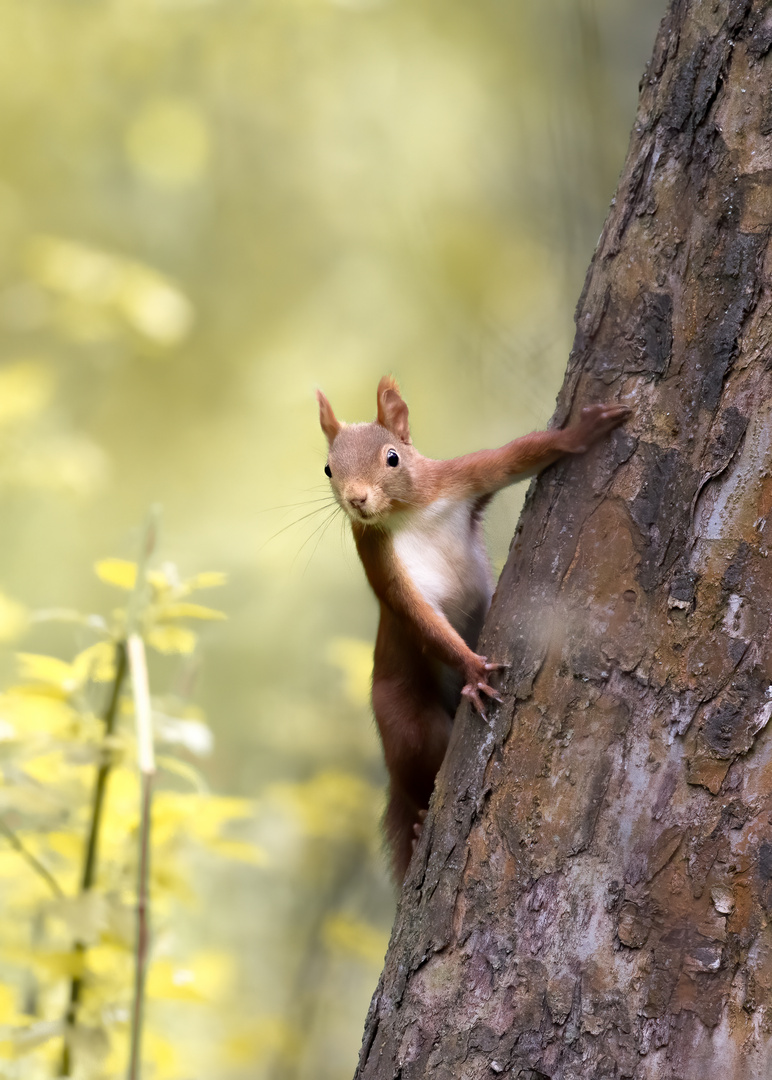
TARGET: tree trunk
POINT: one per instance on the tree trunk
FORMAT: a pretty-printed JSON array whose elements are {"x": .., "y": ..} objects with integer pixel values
[{"x": 591, "y": 894}]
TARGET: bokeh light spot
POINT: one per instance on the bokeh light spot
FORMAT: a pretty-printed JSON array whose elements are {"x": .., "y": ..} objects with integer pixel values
[{"x": 168, "y": 143}]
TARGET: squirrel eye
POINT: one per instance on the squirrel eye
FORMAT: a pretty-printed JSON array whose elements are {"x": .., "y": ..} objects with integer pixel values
[
  {"x": 327, "y": 471},
  {"x": 392, "y": 458}
]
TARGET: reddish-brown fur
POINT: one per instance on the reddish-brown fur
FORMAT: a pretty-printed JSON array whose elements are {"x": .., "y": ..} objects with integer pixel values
[{"x": 417, "y": 528}]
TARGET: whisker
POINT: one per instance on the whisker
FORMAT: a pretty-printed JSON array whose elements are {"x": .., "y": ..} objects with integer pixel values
[
  {"x": 320, "y": 536},
  {"x": 293, "y": 506},
  {"x": 320, "y": 529},
  {"x": 297, "y": 521}
]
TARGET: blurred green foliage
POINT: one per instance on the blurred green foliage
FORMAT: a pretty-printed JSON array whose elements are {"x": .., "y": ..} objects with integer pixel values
[{"x": 207, "y": 209}]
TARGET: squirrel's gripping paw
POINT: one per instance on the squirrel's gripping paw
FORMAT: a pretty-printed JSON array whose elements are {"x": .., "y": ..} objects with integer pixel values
[
  {"x": 477, "y": 685},
  {"x": 418, "y": 828},
  {"x": 595, "y": 422}
]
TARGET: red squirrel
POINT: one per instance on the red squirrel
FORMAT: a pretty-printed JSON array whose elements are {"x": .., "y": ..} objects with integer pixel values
[{"x": 417, "y": 526}]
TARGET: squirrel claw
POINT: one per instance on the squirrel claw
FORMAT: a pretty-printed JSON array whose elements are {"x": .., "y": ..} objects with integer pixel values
[
  {"x": 477, "y": 686},
  {"x": 472, "y": 692}
]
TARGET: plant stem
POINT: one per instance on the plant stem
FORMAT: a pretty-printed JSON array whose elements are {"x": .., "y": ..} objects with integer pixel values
[
  {"x": 89, "y": 865},
  {"x": 143, "y": 716},
  {"x": 143, "y": 929}
]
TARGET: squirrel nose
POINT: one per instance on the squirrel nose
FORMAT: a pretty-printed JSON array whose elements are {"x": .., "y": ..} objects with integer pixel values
[{"x": 357, "y": 499}]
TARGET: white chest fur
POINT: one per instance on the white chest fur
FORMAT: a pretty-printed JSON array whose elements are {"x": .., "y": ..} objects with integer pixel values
[{"x": 442, "y": 550}]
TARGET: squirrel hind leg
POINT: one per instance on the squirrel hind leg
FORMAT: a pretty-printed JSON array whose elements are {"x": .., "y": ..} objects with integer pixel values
[{"x": 403, "y": 816}]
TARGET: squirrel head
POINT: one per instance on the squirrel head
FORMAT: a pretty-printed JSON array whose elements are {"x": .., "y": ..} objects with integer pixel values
[{"x": 371, "y": 466}]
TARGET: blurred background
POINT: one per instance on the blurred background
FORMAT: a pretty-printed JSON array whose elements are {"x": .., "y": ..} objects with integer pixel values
[{"x": 208, "y": 209}]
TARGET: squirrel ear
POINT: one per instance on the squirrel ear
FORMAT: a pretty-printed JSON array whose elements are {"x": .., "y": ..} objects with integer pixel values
[
  {"x": 392, "y": 410},
  {"x": 330, "y": 426}
]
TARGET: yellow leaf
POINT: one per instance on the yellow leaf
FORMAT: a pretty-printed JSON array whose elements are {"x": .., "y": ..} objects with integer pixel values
[
  {"x": 171, "y": 639},
  {"x": 8, "y": 1011},
  {"x": 67, "y": 845},
  {"x": 97, "y": 663},
  {"x": 209, "y": 579},
  {"x": 119, "y": 572},
  {"x": 163, "y": 1054},
  {"x": 47, "y": 669},
  {"x": 13, "y": 618},
  {"x": 32, "y": 711},
  {"x": 159, "y": 581},
  {"x": 115, "y": 1065},
  {"x": 190, "y": 611},
  {"x": 60, "y": 964},
  {"x": 124, "y": 795},
  {"x": 172, "y": 981},
  {"x": 109, "y": 963},
  {"x": 47, "y": 768}
]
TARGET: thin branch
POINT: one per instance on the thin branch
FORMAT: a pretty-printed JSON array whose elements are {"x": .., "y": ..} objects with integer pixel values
[
  {"x": 34, "y": 862},
  {"x": 139, "y": 597},
  {"x": 89, "y": 865},
  {"x": 146, "y": 760},
  {"x": 140, "y": 688},
  {"x": 133, "y": 613},
  {"x": 143, "y": 929}
]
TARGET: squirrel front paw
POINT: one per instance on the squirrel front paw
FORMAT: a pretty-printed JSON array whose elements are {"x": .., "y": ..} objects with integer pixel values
[
  {"x": 476, "y": 684},
  {"x": 595, "y": 422}
]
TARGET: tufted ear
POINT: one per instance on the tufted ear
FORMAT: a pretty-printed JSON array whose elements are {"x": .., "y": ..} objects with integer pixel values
[
  {"x": 392, "y": 410},
  {"x": 330, "y": 426}
]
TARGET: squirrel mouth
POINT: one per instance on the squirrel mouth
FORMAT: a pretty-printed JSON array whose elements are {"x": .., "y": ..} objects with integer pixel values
[{"x": 362, "y": 517}]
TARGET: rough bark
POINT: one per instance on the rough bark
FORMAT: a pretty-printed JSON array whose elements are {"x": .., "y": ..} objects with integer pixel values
[{"x": 592, "y": 890}]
